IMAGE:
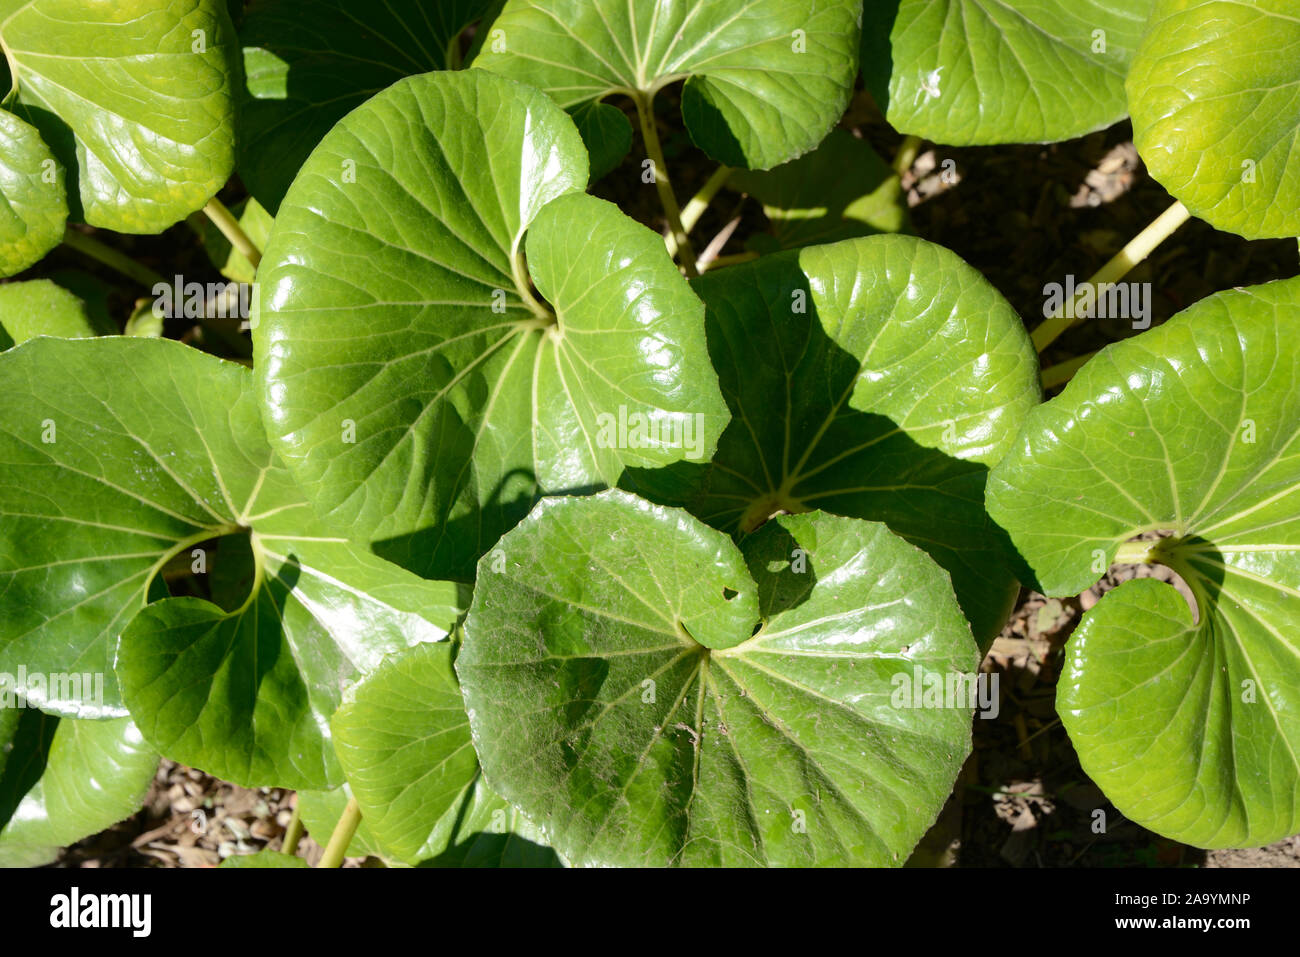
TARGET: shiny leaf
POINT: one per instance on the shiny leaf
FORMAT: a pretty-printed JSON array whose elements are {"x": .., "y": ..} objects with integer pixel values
[
  {"x": 765, "y": 79},
  {"x": 309, "y": 63},
  {"x": 1188, "y": 724},
  {"x": 877, "y": 378},
  {"x": 973, "y": 72},
  {"x": 64, "y": 780},
  {"x": 414, "y": 382}
]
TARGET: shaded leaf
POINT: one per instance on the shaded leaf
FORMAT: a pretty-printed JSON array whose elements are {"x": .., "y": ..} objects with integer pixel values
[
  {"x": 309, "y": 63},
  {"x": 877, "y": 378},
  {"x": 38, "y": 307},
  {"x": 404, "y": 743},
  {"x": 841, "y": 190}
]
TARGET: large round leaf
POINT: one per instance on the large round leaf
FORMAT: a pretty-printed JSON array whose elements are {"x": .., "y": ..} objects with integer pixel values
[
  {"x": 415, "y": 383},
  {"x": 765, "y": 79},
  {"x": 877, "y": 378},
  {"x": 33, "y": 201},
  {"x": 403, "y": 740},
  {"x": 118, "y": 454},
  {"x": 1215, "y": 97},
  {"x": 309, "y": 63},
  {"x": 1190, "y": 725},
  {"x": 62, "y": 780},
  {"x": 136, "y": 98},
  {"x": 973, "y": 72},
  {"x": 651, "y": 695}
]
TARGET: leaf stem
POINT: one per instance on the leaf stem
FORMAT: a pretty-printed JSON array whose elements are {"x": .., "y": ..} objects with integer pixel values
[
  {"x": 1139, "y": 248},
  {"x": 110, "y": 257},
  {"x": 906, "y": 154},
  {"x": 293, "y": 833},
  {"x": 1135, "y": 553},
  {"x": 731, "y": 260},
  {"x": 225, "y": 221},
  {"x": 337, "y": 847},
  {"x": 680, "y": 244},
  {"x": 1063, "y": 372},
  {"x": 701, "y": 200}
]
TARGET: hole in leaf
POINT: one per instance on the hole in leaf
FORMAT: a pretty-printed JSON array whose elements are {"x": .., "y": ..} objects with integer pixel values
[
  {"x": 1152, "y": 554},
  {"x": 220, "y": 570},
  {"x": 729, "y": 593}
]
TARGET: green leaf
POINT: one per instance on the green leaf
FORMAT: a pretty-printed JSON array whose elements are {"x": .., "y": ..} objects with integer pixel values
[
  {"x": 404, "y": 744},
  {"x": 136, "y": 99},
  {"x": 841, "y": 190},
  {"x": 1189, "y": 726},
  {"x": 637, "y": 693},
  {"x": 1215, "y": 96},
  {"x": 64, "y": 780},
  {"x": 606, "y": 133},
  {"x": 309, "y": 63},
  {"x": 877, "y": 378},
  {"x": 492, "y": 834},
  {"x": 256, "y": 223},
  {"x": 154, "y": 448},
  {"x": 975, "y": 72},
  {"x": 321, "y": 812},
  {"x": 38, "y": 307},
  {"x": 413, "y": 381},
  {"x": 765, "y": 81},
  {"x": 263, "y": 859},
  {"x": 33, "y": 200}
]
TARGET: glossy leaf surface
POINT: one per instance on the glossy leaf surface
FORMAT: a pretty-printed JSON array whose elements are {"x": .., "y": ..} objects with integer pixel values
[
  {"x": 418, "y": 387},
  {"x": 1189, "y": 724},
  {"x": 877, "y": 378},
  {"x": 62, "y": 780},
  {"x": 765, "y": 79},
  {"x": 975, "y": 72}
]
